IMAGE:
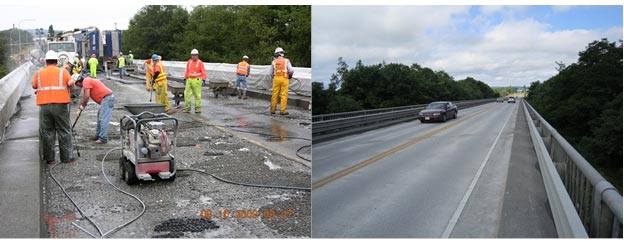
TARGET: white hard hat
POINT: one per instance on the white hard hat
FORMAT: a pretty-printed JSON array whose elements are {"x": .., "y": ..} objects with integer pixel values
[
  {"x": 51, "y": 55},
  {"x": 121, "y": 53},
  {"x": 278, "y": 50},
  {"x": 245, "y": 57},
  {"x": 194, "y": 52},
  {"x": 75, "y": 77},
  {"x": 130, "y": 51}
]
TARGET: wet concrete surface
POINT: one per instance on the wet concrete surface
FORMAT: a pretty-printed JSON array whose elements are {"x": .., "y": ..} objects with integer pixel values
[
  {"x": 192, "y": 195},
  {"x": 20, "y": 183}
]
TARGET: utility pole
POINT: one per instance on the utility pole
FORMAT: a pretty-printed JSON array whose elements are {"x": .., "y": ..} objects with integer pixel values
[
  {"x": 19, "y": 34},
  {"x": 11, "y": 37}
]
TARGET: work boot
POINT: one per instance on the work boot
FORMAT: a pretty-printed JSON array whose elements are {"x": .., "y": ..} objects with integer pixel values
[
  {"x": 197, "y": 110},
  {"x": 186, "y": 110},
  {"x": 94, "y": 138},
  {"x": 245, "y": 94},
  {"x": 239, "y": 93},
  {"x": 284, "y": 113},
  {"x": 50, "y": 162},
  {"x": 100, "y": 142},
  {"x": 272, "y": 112},
  {"x": 72, "y": 160}
]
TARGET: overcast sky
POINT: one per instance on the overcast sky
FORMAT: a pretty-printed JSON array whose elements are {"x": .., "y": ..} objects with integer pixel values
[
  {"x": 61, "y": 18},
  {"x": 508, "y": 45}
]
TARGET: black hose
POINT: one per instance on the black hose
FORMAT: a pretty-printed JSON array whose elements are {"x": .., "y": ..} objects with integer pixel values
[
  {"x": 75, "y": 205},
  {"x": 124, "y": 192},
  {"x": 102, "y": 234},
  {"x": 246, "y": 184},
  {"x": 301, "y": 148}
]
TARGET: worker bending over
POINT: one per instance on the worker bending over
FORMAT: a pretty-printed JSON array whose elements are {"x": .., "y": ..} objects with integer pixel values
[{"x": 102, "y": 95}]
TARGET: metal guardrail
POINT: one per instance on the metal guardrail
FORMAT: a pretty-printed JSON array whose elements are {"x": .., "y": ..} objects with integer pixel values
[
  {"x": 329, "y": 126},
  {"x": 582, "y": 202}
]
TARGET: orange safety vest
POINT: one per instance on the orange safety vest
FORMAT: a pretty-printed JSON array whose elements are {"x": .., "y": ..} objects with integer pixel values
[
  {"x": 53, "y": 89},
  {"x": 162, "y": 76},
  {"x": 148, "y": 66},
  {"x": 280, "y": 67},
  {"x": 243, "y": 68},
  {"x": 197, "y": 71}
]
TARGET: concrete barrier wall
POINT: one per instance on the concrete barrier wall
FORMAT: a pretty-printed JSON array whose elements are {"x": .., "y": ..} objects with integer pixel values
[
  {"x": 258, "y": 79},
  {"x": 11, "y": 88}
]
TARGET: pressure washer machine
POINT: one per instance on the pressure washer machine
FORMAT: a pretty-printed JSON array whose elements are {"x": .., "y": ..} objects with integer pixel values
[{"x": 148, "y": 143}]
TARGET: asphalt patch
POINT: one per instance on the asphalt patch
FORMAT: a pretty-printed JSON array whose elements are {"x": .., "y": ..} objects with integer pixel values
[{"x": 176, "y": 227}]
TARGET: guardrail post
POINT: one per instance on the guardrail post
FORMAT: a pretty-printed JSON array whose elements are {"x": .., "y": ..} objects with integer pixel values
[{"x": 601, "y": 215}]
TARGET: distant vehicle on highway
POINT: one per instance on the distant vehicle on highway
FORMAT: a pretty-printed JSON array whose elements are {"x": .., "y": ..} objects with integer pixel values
[
  {"x": 499, "y": 100},
  {"x": 511, "y": 100},
  {"x": 438, "y": 111}
]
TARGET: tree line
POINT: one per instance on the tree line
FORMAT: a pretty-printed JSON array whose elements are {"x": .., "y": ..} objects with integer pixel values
[
  {"x": 221, "y": 33},
  {"x": 584, "y": 103},
  {"x": 389, "y": 85},
  {"x": 8, "y": 62}
]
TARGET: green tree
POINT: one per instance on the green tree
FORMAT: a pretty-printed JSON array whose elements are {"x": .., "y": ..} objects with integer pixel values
[
  {"x": 50, "y": 31},
  {"x": 156, "y": 30},
  {"x": 584, "y": 103},
  {"x": 223, "y": 33}
]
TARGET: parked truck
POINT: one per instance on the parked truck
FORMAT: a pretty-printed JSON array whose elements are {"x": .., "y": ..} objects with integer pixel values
[{"x": 106, "y": 45}]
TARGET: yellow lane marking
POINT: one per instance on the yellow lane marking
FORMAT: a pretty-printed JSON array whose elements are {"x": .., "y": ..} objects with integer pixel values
[
  {"x": 201, "y": 120},
  {"x": 322, "y": 182}
]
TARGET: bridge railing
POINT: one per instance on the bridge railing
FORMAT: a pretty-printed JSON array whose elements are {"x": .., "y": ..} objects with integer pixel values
[
  {"x": 574, "y": 186},
  {"x": 329, "y": 126},
  {"x": 11, "y": 87}
]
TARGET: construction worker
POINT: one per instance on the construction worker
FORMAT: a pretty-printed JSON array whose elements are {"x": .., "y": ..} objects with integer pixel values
[
  {"x": 51, "y": 85},
  {"x": 93, "y": 63},
  {"x": 194, "y": 76},
  {"x": 159, "y": 78},
  {"x": 130, "y": 58},
  {"x": 102, "y": 95},
  {"x": 121, "y": 64},
  {"x": 281, "y": 71},
  {"x": 77, "y": 61},
  {"x": 149, "y": 69},
  {"x": 242, "y": 72},
  {"x": 77, "y": 68}
]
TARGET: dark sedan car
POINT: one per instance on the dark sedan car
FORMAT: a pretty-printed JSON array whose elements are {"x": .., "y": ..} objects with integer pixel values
[{"x": 438, "y": 111}]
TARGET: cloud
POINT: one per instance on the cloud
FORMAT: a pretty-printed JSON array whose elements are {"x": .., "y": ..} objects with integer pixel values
[
  {"x": 508, "y": 50},
  {"x": 561, "y": 8}
]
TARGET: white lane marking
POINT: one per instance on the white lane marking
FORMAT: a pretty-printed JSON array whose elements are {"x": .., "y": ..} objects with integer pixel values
[{"x": 451, "y": 224}]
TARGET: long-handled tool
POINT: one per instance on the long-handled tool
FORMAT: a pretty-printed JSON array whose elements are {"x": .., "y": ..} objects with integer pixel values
[
  {"x": 74, "y": 136},
  {"x": 151, "y": 88}
]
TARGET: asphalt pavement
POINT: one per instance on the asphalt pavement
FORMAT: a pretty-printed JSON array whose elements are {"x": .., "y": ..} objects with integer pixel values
[{"x": 415, "y": 180}]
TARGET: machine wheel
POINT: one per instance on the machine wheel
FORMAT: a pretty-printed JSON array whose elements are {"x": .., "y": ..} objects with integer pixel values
[
  {"x": 455, "y": 114},
  {"x": 129, "y": 174},
  {"x": 172, "y": 178},
  {"x": 122, "y": 167},
  {"x": 444, "y": 118}
]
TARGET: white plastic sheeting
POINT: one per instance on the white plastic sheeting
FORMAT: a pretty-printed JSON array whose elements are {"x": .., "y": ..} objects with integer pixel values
[{"x": 259, "y": 77}]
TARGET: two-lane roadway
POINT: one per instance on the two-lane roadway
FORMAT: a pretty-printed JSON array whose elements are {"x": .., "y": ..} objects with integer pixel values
[{"x": 410, "y": 179}]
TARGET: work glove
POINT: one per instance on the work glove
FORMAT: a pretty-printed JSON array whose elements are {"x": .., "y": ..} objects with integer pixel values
[
  {"x": 79, "y": 111},
  {"x": 204, "y": 82}
]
